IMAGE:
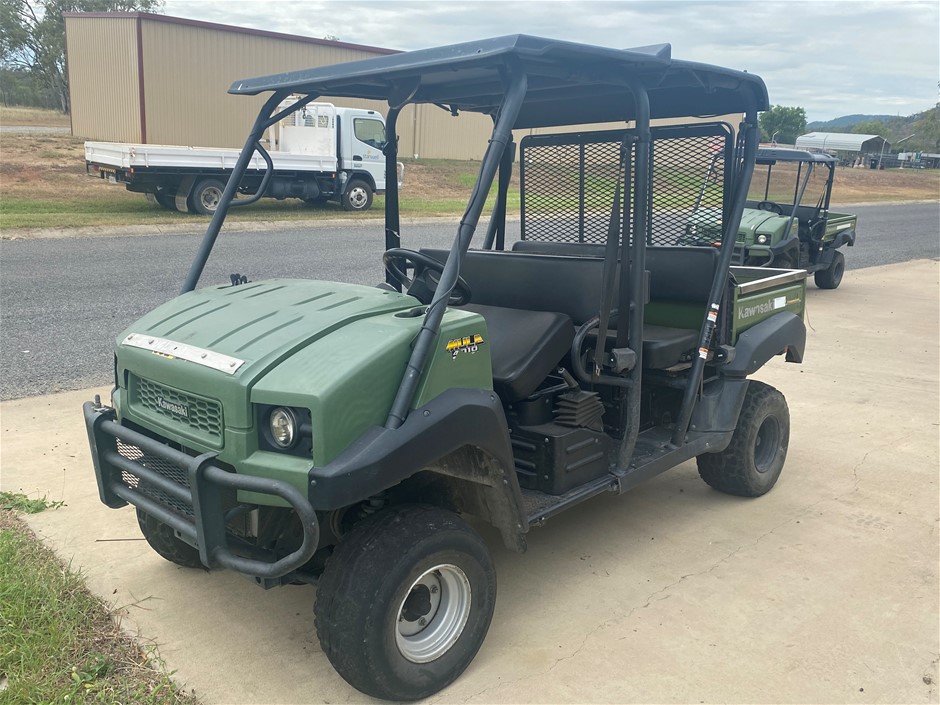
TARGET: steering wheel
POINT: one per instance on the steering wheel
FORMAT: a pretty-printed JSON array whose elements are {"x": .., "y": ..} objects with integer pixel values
[
  {"x": 427, "y": 272},
  {"x": 770, "y": 206}
]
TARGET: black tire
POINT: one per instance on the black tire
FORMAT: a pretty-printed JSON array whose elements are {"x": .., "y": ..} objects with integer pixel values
[
  {"x": 751, "y": 464},
  {"x": 831, "y": 277},
  {"x": 166, "y": 199},
  {"x": 162, "y": 540},
  {"x": 205, "y": 196},
  {"x": 361, "y": 609},
  {"x": 357, "y": 196}
]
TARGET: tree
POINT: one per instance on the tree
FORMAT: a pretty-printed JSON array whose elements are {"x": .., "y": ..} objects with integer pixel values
[
  {"x": 32, "y": 36},
  {"x": 787, "y": 123},
  {"x": 872, "y": 127},
  {"x": 927, "y": 129}
]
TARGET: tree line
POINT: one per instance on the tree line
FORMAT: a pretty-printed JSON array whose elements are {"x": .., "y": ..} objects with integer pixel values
[{"x": 32, "y": 47}]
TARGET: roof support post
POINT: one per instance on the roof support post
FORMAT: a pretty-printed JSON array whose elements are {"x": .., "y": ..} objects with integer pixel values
[
  {"x": 421, "y": 354},
  {"x": 496, "y": 230},
  {"x": 720, "y": 282},
  {"x": 633, "y": 285},
  {"x": 262, "y": 122},
  {"x": 392, "y": 215}
]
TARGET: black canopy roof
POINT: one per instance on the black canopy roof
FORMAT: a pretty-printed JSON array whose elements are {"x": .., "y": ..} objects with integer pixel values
[{"x": 568, "y": 83}]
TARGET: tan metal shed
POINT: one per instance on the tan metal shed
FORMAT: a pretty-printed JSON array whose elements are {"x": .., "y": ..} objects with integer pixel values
[
  {"x": 154, "y": 79},
  {"x": 142, "y": 78}
]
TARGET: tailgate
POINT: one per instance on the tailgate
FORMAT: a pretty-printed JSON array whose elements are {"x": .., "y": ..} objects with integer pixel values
[
  {"x": 761, "y": 292},
  {"x": 837, "y": 223}
]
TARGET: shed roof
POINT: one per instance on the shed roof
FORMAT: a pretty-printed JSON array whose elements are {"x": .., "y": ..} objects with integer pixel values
[
  {"x": 568, "y": 83},
  {"x": 840, "y": 141}
]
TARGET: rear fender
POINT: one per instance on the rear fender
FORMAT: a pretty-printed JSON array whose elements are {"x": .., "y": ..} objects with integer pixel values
[{"x": 783, "y": 333}]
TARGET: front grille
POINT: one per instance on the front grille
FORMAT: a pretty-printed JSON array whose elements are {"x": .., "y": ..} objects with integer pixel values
[
  {"x": 185, "y": 410},
  {"x": 161, "y": 467}
]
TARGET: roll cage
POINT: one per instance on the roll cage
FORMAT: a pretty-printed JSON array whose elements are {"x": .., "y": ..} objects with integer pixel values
[{"x": 529, "y": 82}]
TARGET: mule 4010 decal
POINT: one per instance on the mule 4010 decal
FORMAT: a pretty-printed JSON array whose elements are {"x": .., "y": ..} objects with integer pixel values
[{"x": 465, "y": 344}]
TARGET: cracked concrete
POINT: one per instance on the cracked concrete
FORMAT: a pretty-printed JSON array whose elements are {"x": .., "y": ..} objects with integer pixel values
[{"x": 824, "y": 590}]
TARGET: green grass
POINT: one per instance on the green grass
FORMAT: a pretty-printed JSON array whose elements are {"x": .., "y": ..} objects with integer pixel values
[
  {"x": 58, "y": 644},
  {"x": 21, "y": 503}
]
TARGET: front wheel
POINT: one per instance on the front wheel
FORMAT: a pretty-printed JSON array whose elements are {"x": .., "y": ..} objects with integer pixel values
[
  {"x": 357, "y": 196},
  {"x": 752, "y": 462},
  {"x": 831, "y": 277},
  {"x": 164, "y": 541},
  {"x": 405, "y": 602}
]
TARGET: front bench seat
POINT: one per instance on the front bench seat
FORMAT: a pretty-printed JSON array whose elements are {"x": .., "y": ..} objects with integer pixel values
[{"x": 525, "y": 346}]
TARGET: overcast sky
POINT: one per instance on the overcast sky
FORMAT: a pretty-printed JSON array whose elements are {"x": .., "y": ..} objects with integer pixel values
[{"x": 832, "y": 58}]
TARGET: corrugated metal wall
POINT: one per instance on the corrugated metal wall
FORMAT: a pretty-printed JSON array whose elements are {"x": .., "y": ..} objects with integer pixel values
[
  {"x": 102, "y": 68},
  {"x": 187, "y": 68}
]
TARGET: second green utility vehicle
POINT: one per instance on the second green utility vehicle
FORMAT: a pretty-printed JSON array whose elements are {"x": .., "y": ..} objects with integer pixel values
[
  {"x": 786, "y": 222},
  {"x": 337, "y": 434}
]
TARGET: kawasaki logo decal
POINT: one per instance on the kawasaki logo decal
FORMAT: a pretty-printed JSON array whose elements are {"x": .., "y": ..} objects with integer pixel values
[
  {"x": 766, "y": 307},
  {"x": 173, "y": 407}
]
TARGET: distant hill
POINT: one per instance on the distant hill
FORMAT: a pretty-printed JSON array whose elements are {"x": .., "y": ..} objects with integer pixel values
[{"x": 844, "y": 123}]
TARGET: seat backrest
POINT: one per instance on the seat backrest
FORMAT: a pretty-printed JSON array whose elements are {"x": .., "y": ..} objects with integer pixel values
[
  {"x": 533, "y": 282},
  {"x": 682, "y": 274}
]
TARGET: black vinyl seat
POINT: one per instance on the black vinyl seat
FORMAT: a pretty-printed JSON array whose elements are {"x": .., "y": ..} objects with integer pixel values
[
  {"x": 525, "y": 346},
  {"x": 663, "y": 346}
]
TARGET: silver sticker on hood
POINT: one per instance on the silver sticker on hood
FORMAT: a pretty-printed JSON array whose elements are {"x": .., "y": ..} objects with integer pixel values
[{"x": 182, "y": 351}]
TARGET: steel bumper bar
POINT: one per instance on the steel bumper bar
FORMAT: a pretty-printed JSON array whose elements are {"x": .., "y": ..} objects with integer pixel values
[{"x": 205, "y": 529}]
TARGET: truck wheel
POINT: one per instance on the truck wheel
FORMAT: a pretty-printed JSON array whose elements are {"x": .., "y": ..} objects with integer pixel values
[
  {"x": 163, "y": 540},
  {"x": 751, "y": 464},
  {"x": 357, "y": 196},
  {"x": 831, "y": 277},
  {"x": 405, "y": 602},
  {"x": 206, "y": 196},
  {"x": 166, "y": 199}
]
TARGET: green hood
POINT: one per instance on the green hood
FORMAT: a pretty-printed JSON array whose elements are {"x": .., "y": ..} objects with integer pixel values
[
  {"x": 757, "y": 222},
  {"x": 257, "y": 324}
]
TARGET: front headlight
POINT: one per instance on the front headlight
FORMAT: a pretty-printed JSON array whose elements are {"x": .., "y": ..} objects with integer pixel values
[
  {"x": 282, "y": 423},
  {"x": 761, "y": 239}
]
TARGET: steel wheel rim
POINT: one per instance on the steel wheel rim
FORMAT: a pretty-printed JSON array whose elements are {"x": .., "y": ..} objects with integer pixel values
[
  {"x": 766, "y": 444},
  {"x": 358, "y": 197},
  {"x": 210, "y": 198},
  {"x": 441, "y": 598}
]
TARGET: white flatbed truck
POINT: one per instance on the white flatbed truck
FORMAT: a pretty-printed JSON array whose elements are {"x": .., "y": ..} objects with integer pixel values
[{"x": 318, "y": 154}]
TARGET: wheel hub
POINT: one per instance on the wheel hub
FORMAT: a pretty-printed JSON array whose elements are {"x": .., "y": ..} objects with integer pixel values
[
  {"x": 357, "y": 197},
  {"x": 433, "y": 614},
  {"x": 766, "y": 444}
]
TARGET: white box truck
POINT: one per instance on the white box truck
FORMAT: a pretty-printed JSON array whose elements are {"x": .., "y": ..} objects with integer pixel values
[{"x": 319, "y": 153}]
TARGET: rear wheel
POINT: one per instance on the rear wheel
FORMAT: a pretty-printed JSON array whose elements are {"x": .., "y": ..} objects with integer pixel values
[
  {"x": 831, "y": 277},
  {"x": 752, "y": 462},
  {"x": 357, "y": 196},
  {"x": 166, "y": 199},
  {"x": 164, "y": 541},
  {"x": 405, "y": 602},
  {"x": 206, "y": 196}
]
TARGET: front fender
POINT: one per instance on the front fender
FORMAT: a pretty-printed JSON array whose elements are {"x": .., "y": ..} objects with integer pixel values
[{"x": 381, "y": 458}]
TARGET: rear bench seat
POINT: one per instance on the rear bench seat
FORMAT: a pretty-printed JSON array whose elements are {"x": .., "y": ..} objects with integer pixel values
[{"x": 563, "y": 283}]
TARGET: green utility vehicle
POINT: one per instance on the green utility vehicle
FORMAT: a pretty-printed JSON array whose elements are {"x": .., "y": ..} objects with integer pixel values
[
  {"x": 777, "y": 228},
  {"x": 313, "y": 431}
]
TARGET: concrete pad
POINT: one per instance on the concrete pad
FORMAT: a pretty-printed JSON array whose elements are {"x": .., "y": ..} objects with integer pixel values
[{"x": 824, "y": 590}]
